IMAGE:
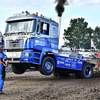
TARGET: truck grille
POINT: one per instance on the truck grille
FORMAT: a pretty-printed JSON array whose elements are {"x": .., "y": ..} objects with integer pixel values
[
  {"x": 14, "y": 59},
  {"x": 13, "y": 44}
]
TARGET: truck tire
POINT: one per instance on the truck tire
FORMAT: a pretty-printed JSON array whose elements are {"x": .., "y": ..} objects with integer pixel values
[
  {"x": 87, "y": 71},
  {"x": 18, "y": 68},
  {"x": 48, "y": 66}
]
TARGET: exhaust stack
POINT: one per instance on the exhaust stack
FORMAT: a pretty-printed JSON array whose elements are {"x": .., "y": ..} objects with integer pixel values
[
  {"x": 60, "y": 9},
  {"x": 59, "y": 28}
]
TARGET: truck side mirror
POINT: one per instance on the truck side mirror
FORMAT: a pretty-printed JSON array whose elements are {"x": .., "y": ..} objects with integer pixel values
[
  {"x": 44, "y": 27},
  {"x": 0, "y": 38}
]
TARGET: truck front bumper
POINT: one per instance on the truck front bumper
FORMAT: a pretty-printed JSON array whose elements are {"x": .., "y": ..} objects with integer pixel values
[{"x": 13, "y": 57}]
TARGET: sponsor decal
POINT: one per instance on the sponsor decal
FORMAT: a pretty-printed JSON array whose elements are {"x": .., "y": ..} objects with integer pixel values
[
  {"x": 52, "y": 45},
  {"x": 79, "y": 62},
  {"x": 73, "y": 66},
  {"x": 58, "y": 57},
  {"x": 67, "y": 64},
  {"x": 36, "y": 41},
  {"x": 75, "y": 59},
  {"x": 60, "y": 62},
  {"x": 63, "y": 59},
  {"x": 69, "y": 60}
]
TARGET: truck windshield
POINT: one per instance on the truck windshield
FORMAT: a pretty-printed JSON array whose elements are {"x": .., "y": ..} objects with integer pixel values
[{"x": 21, "y": 26}]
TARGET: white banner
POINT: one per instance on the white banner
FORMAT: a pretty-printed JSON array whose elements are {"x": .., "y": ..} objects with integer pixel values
[{"x": 92, "y": 44}]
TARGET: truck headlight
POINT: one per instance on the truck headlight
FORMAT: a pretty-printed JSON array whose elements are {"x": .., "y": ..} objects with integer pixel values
[{"x": 27, "y": 54}]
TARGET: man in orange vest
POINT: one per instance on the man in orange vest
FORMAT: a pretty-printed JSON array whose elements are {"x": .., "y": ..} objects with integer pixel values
[{"x": 3, "y": 64}]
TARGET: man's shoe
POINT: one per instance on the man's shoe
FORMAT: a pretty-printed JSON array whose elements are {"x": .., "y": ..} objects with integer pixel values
[{"x": 1, "y": 92}]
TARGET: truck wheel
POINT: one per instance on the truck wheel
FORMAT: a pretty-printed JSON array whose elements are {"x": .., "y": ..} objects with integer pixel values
[
  {"x": 18, "y": 69},
  {"x": 48, "y": 66},
  {"x": 87, "y": 71}
]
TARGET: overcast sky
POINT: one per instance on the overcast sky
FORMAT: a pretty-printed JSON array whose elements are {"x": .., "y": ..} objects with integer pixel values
[{"x": 88, "y": 9}]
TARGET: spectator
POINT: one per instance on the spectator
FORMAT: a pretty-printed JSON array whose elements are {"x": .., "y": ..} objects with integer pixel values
[{"x": 3, "y": 64}]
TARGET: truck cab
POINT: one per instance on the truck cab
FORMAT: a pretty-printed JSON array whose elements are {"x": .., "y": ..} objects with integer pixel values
[{"x": 27, "y": 39}]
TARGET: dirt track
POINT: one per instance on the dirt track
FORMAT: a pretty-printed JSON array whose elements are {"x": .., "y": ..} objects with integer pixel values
[{"x": 34, "y": 86}]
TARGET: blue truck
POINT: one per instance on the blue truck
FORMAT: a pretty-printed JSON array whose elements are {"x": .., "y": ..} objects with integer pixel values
[{"x": 32, "y": 40}]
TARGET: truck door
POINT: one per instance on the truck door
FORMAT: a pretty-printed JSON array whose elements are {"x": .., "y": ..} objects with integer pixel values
[
  {"x": 54, "y": 36},
  {"x": 45, "y": 33},
  {"x": 42, "y": 37}
]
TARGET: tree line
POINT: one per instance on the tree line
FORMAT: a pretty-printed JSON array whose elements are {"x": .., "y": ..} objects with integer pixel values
[{"x": 80, "y": 35}]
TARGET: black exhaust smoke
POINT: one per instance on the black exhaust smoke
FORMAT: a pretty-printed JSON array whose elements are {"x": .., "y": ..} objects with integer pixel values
[{"x": 60, "y": 6}]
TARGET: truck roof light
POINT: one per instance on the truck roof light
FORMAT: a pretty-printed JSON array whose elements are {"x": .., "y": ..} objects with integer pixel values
[{"x": 37, "y": 13}]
